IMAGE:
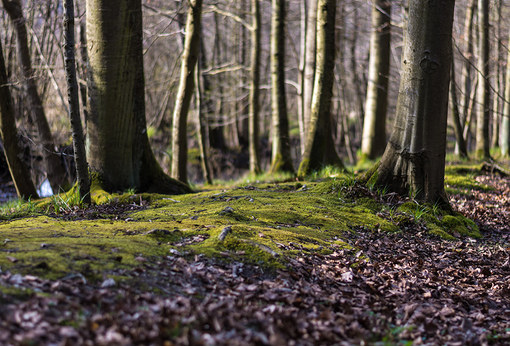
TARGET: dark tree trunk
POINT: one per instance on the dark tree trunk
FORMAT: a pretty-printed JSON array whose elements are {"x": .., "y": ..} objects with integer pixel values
[{"x": 82, "y": 170}]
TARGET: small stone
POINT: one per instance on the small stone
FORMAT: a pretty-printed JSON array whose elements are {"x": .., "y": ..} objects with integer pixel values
[
  {"x": 224, "y": 233},
  {"x": 108, "y": 283},
  {"x": 227, "y": 211},
  {"x": 174, "y": 252}
]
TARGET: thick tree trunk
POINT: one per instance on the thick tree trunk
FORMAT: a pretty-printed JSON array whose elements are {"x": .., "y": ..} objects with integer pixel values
[
  {"x": 414, "y": 159},
  {"x": 254, "y": 106},
  {"x": 320, "y": 148},
  {"x": 19, "y": 171},
  {"x": 310, "y": 55},
  {"x": 504, "y": 140},
  {"x": 281, "y": 160},
  {"x": 54, "y": 167},
  {"x": 185, "y": 92},
  {"x": 482, "y": 149},
  {"x": 82, "y": 170},
  {"x": 374, "y": 125},
  {"x": 118, "y": 147}
]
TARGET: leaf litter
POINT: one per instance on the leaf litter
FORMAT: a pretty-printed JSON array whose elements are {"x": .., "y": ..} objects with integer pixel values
[{"x": 405, "y": 287}]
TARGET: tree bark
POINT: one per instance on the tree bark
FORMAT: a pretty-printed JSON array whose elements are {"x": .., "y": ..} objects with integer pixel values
[
  {"x": 374, "y": 125},
  {"x": 457, "y": 125},
  {"x": 254, "y": 107},
  {"x": 117, "y": 143},
  {"x": 281, "y": 160},
  {"x": 202, "y": 128},
  {"x": 19, "y": 171},
  {"x": 482, "y": 149},
  {"x": 320, "y": 148},
  {"x": 54, "y": 168},
  {"x": 80, "y": 159},
  {"x": 185, "y": 92},
  {"x": 505, "y": 119},
  {"x": 310, "y": 55},
  {"x": 414, "y": 159}
]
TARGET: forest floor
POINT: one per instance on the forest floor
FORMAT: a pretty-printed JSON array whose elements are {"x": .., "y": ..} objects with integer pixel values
[{"x": 373, "y": 287}]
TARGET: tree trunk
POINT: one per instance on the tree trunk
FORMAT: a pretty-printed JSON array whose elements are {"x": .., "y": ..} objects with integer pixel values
[
  {"x": 185, "y": 92},
  {"x": 254, "y": 106},
  {"x": 82, "y": 170},
  {"x": 310, "y": 55},
  {"x": 202, "y": 129},
  {"x": 281, "y": 160},
  {"x": 374, "y": 125},
  {"x": 301, "y": 73},
  {"x": 54, "y": 167},
  {"x": 414, "y": 159},
  {"x": 482, "y": 149},
  {"x": 505, "y": 119},
  {"x": 320, "y": 148},
  {"x": 118, "y": 147},
  {"x": 19, "y": 172},
  {"x": 457, "y": 125}
]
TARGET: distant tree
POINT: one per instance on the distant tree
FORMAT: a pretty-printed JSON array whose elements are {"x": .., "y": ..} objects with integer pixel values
[
  {"x": 505, "y": 119},
  {"x": 185, "y": 92},
  {"x": 374, "y": 125},
  {"x": 19, "y": 171},
  {"x": 320, "y": 147},
  {"x": 457, "y": 125},
  {"x": 414, "y": 159},
  {"x": 54, "y": 166},
  {"x": 483, "y": 94},
  {"x": 309, "y": 68},
  {"x": 254, "y": 107},
  {"x": 82, "y": 170},
  {"x": 281, "y": 160},
  {"x": 118, "y": 146}
]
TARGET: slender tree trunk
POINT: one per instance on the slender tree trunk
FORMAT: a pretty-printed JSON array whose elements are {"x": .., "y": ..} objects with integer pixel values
[
  {"x": 505, "y": 119},
  {"x": 186, "y": 87},
  {"x": 320, "y": 149},
  {"x": 469, "y": 62},
  {"x": 457, "y": 125},
  {"x": 301, "y": 74},
  {"x": 54, "y": 167},
  {"x": 310, "y": 55},
  {"x": 82, "y": 170},
  {"x": 201, "y": 129},
  {"x": 281, "y": 160},
  {"x": 19, "y": 171},
  {"x": 497, "y": 8},
  {"x": 374, "y": 125},
  {"x": 483, "y": 96},
  {"x": 118, "y": 147},
  {"x": 254, "y": 107},
  {"x": 414, "y": 159}
]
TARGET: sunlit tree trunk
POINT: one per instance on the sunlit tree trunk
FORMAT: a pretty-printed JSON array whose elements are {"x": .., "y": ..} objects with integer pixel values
[
  {"x": 19, "y": 171},
  {"x": 483, "y": 95},
  {"x": 505, "y": 119},
  {"x": 82, "y": 170},
  {"x": 254, "y": 107},
  {"x": 281, "y": 160},
  {"x": 301, "y": 73},
  {"x": 118, "y": 147},
  {"x": 320, "y": 148},
  {"x": 54, "y": 167},
  {"x": 310, "y": 55},
  {"x": 414, "y": 160},
  {"x": 185, "y": 92},
  {"x": 202, "y": 128},
  {"x": 374, "y": 125}
]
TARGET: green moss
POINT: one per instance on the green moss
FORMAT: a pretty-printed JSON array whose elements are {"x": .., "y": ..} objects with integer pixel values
[{"x": 458, "y": 225}]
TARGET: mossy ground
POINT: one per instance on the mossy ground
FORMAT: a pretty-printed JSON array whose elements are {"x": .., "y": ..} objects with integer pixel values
[{"x": 269, "y": 222}]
